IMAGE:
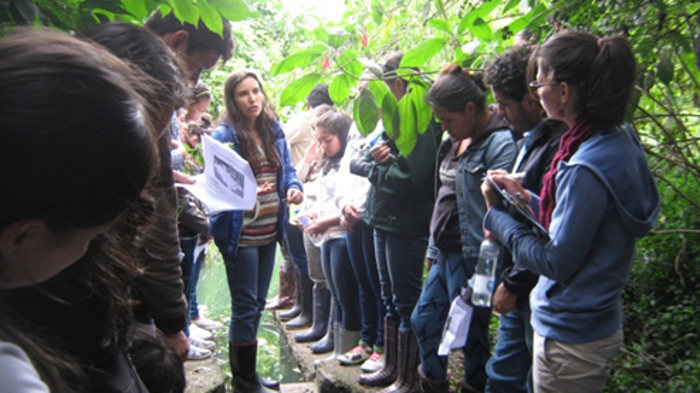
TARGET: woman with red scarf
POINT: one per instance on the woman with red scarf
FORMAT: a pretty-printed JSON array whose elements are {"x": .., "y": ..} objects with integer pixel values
[{"x": 597, "y": 199}]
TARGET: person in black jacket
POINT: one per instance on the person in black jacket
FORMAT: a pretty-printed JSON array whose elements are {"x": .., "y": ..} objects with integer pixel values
[{"x": 508, "y": 369}]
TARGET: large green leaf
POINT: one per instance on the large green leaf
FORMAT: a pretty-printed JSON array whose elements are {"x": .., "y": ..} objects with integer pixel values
[
  {"x": 299, "y": 89},
  {"x": 337, "y": 38},
  {"x": 185, "y": 11},
  {"x": 479, "y": 12},
  {"x": 441, "y": 25},
  {"x": 510, "y": 4},
  {"x": 339, "y": 88},
  {"x": 390, "y": 115},
  {"x": 378, "y": 89},
  {"x": 485, "y": 9},
  {"x": 211, "y": 18},
  {"x": 532, "y": 18},
  {"x": 406, "y": 140},
  {"x": 137, "y": 8},
  {"x": 366, "y": 113},
  {"x": 233, "y": 10},
  {"x": 348, "y": 61},
  {"x": 419, "y": 55},
  {"x": 299, "y": 59},
  {"x": 419, "y": 96},
  {"x": 481, "y": 30}
]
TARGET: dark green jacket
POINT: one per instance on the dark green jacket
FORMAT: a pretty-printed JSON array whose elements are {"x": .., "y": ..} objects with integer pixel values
[{"x": 400, "y": 199}]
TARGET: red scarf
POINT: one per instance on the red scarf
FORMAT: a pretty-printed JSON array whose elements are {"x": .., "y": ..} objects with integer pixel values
[{"x": 568, "y": 144}]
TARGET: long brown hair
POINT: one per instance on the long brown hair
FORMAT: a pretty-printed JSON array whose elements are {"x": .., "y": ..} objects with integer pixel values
[
  {"x": 81, "y": 158},
  {"x": 264, "y": 125}
]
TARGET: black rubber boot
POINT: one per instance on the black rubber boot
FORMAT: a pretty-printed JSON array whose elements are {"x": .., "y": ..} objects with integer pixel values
[
  {"x": 242, "y": 359},
  {"x": 322, "y": 303},
  {"x": 268, "y": 383},
  {"x": 307, "y": 303},
  {"x": 408, "y": 360},
  {"x": 387, "y": 374},
  {"x": 326, "y": 344},
  {"x": 432, "y": 386}
]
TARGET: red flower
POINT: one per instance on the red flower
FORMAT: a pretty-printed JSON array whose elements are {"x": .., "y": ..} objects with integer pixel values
[
  {"x": 326, "y": 63},
  {"x": 365, "y": 40}
]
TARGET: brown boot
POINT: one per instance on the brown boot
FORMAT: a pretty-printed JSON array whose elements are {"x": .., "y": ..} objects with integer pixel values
[
  {"x": 287, "y": 293},
  {"x": 407, "y": 375},
  {"x": 387, "y": 374}
]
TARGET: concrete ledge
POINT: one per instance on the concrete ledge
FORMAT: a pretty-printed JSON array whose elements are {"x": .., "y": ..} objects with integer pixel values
[
  {"x": 204, "y": 376},
  {"x": 330, "y": 377}
]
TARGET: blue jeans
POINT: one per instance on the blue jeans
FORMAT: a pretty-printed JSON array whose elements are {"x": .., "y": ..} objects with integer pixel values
[
  {"x": 447, "y": 276},
  {"x": 294, "y": 243},
  {"x": 191, "y": 288},
  {"x": 187, "y": 246},
  {"x": 361, "y": 249},
  {"x": 341, "y": 282},
  {"x": 400, "y": 267},
  {"x": 509, "y": 369},
  {"x": 248, "y": 274}
]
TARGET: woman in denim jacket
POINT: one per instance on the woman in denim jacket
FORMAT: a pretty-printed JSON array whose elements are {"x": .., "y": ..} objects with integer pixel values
[
  {"x": 247, "y": 239},
  {"x": 598, "y": 197},
  {"x": 480, "y": 140}
]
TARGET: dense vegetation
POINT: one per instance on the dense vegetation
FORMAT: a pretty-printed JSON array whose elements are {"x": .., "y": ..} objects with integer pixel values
[{"x": 293, "y": 52}]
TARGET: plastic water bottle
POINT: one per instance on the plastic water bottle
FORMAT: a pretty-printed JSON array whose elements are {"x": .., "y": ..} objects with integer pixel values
[{"x": 485, "y": 274}]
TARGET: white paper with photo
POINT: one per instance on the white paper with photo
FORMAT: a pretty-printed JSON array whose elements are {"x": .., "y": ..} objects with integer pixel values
[
  {"x": 227, "y": 183},
  {"x": 454, "y": 334}
]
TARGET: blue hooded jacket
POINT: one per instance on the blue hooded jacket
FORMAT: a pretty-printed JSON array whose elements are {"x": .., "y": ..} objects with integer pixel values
[
  {"x": 226, "y": 226},
  {"x": 606, "y": 199}
]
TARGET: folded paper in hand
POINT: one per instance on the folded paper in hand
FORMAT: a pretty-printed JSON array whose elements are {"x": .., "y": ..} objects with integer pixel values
[
  {"x": 227, "y": 183},
  {"x": 454, "y": 334}
]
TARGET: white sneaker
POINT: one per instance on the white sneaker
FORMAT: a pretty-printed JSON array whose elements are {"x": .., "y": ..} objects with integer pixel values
[
  {"x": 197, "y": 353},
  {"x": 200, "y": 333},
  {"x": 202, "y": 344},
  {"x": 374, "y": 363},
  {"x": 208, "y": 324}
]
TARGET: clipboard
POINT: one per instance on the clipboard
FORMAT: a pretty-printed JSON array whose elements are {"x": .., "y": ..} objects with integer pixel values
[{"x": 516, "y": 203}]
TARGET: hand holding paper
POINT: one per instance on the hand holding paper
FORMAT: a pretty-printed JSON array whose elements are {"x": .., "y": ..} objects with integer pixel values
[{"x": 227, "y": 183}]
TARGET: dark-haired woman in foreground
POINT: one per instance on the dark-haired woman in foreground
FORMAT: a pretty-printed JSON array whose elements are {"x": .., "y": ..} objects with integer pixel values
[
  {"x": 598, "y": 198},
  {"x": 80, "y": 156}
]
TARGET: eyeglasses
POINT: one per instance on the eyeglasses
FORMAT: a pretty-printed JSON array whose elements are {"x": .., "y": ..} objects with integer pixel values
[{"x": 536, "y": 85}]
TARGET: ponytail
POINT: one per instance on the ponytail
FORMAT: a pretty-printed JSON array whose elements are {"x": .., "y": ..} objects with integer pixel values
[
  {"x": 455, "y": 87},
  {"x": 601, "y": 71},
  {"x": 610, "y": 81}
]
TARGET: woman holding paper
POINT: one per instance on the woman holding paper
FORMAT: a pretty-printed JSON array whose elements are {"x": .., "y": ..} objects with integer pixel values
[
  {"x": 247, "y": 239},
  {"x": 598, "y": 197},
  {"x": 480, "y": 140}
]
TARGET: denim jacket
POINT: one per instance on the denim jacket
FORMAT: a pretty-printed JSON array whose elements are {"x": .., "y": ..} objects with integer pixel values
[
  {"x": 497, "y": 150},
  {"x": 606, "y": 199},
  {"x": 226, "y": 226}
]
